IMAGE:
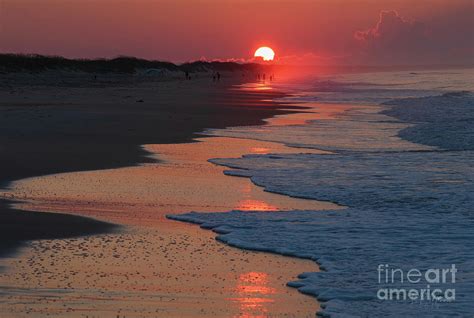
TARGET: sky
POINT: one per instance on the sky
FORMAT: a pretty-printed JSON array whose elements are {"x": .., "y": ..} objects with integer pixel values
[{"x": 362, "y": 32}]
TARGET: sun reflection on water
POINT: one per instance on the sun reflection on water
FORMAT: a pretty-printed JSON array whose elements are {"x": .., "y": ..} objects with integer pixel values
[
  {"x": 250, "y": 203},
  {"x": 254, "y": 292},
  {"x": 255, "y": 205}
]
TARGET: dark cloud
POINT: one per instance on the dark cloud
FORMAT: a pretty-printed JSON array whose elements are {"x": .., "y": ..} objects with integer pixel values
[{"x": 396, "y": 40}]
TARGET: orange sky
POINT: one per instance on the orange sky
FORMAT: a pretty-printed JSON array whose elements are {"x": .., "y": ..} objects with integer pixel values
[{"x": 312, "y": 31}]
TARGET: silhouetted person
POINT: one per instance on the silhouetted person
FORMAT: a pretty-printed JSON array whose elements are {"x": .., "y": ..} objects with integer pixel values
[
  {"x": 213, "y": 77},
  {"x": 271, "y": 78},
  {"x": 187, "y": 75},
  {"x": 218, "y": 76},
  {"x": 258, "y": 76}
]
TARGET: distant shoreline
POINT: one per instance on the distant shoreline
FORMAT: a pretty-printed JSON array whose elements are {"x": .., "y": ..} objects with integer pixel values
[
  {"x": 122, "y": 64},
  {"x": 13, "y": 63}
]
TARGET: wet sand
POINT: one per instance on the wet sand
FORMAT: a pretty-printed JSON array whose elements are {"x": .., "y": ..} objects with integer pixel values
[{"x": 182, "y": 181}]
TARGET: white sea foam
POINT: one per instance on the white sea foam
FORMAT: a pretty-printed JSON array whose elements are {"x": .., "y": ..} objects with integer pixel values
[
  {"x": 408, "y": 205},
  {"x": 444, "y": 121}
]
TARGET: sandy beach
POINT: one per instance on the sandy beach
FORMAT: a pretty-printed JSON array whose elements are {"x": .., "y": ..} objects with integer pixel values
[{"x": 147, "y": 265}]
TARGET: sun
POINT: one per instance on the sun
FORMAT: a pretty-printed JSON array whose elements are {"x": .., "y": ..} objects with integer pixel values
[{"x": 265, "y": 52}]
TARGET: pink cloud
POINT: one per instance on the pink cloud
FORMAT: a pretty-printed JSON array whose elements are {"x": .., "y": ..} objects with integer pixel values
[
  {"x": 389, "y": 27},
  {"x": 394, "y": 34}
]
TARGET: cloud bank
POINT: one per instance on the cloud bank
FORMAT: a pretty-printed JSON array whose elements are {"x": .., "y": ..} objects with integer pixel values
[{"x": 396, "y": 40}]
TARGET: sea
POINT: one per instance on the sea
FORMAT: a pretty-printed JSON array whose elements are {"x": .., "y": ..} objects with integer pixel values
[{"x": 400, "y": 160}]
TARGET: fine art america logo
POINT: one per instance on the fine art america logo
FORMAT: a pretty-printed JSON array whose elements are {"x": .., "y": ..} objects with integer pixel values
[{"x": 431, "y": 285}]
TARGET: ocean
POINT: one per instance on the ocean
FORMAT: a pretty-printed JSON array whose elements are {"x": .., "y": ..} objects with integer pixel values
[{"x": 400, "y": 160}]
